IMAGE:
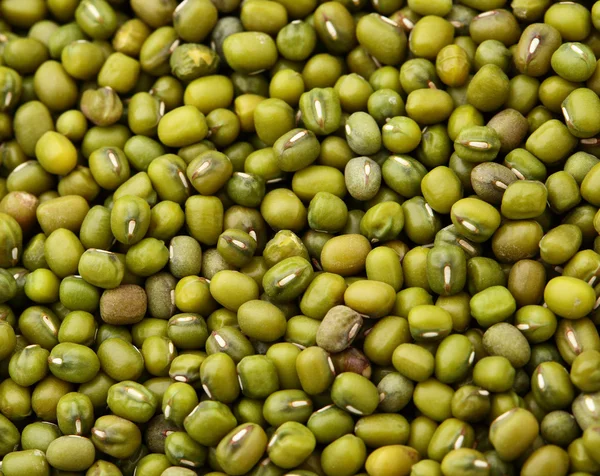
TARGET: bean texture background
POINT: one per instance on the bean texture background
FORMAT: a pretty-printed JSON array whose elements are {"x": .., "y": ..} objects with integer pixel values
[{"x": 303, "y": 238}]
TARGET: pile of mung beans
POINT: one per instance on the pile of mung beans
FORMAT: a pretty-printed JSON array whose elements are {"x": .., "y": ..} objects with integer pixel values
[{"x": 299, "y": 237}]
